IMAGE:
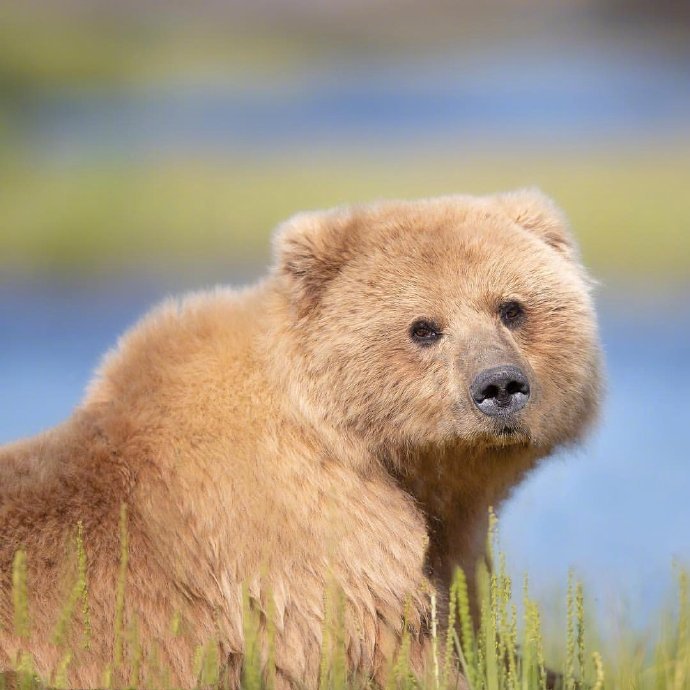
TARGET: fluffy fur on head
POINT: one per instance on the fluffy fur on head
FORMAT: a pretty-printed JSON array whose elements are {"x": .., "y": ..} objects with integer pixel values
[{"x": 359, "y": 277}]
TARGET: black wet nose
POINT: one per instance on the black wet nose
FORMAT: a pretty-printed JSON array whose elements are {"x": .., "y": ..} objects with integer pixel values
[{"x": 500, "y": 391}]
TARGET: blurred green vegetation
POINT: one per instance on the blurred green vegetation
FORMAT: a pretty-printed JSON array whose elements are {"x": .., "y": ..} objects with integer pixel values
[
  {"x": 630, "y": 212},
  {"x": 44, "y": 46},
  {"x": 48, "y": 49}
]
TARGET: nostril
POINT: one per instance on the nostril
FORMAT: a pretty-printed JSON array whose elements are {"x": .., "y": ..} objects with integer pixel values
[
  {"x": 514, "y": 387},
  {"x": 490, "y": 391}
]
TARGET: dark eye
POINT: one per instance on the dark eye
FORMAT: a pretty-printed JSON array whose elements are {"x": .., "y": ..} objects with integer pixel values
[
  {"x": 425, "y": 332},
  {"x": 512, "y": 314}
]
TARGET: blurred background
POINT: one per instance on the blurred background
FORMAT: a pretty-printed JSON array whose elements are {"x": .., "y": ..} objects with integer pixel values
[{"x": 150, "y": 147}]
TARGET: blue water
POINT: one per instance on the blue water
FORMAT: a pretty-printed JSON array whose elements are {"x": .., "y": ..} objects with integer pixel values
[
  {"x": 617, "y": 510},
  {"x": 582, "y": 93}
]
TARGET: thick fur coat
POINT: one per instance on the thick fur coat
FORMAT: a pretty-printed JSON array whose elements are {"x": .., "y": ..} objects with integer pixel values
[{"x": 294, "y": 435}]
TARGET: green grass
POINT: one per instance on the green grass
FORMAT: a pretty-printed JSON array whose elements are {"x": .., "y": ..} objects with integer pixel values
[
  {"x": 503, "y": 650},
  {"x": 631, "y": 212}
]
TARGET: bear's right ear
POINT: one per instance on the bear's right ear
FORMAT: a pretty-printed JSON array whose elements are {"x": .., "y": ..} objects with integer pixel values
[{"x": 310, "y": 250}]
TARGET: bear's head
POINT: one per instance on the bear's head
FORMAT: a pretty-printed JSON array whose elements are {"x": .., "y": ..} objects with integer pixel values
[{"x": 455, "y": 319}]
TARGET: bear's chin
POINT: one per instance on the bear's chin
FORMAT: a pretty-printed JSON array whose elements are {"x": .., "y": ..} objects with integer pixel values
[{"x": 505, "y": 435}]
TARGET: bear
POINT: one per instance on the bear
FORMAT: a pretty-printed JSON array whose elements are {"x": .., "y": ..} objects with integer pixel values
[{"x": 344, "y": 424}]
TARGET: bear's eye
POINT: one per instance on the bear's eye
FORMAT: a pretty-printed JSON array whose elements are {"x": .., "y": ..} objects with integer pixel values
[
  {"x": 512, "y": 314},
  {"x": 425, "y": 332}
]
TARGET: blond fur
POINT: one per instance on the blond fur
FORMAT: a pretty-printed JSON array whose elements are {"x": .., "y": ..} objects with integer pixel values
[{"x": 291, "y": 435}]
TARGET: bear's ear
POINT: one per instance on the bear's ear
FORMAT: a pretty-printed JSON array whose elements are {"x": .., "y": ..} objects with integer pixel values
[
  {"x": 310, "y": 249},
  {"x": 536, "y": 212}
]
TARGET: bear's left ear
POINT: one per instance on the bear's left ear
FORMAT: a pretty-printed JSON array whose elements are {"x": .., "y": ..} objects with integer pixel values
[
  {"x": 310, "y": 249},
  {"x": 536, "y": 212}
]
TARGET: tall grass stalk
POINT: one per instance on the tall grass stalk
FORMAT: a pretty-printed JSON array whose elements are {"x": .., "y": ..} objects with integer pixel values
[{"x": 120, "y": 593}]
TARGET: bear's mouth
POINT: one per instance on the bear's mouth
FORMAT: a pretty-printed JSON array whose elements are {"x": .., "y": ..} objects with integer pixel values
[{"x": 506, "y": 434}]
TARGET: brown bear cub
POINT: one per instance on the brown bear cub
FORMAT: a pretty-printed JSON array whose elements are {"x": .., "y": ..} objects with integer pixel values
[{"x": 347, "y": 421}]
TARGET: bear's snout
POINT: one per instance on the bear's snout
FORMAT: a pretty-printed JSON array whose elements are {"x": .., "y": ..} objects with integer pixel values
[{"x": 500, "y": 391}]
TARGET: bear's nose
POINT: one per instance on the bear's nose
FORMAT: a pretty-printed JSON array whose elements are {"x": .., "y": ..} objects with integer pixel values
[{"x": 500, "y": 391}]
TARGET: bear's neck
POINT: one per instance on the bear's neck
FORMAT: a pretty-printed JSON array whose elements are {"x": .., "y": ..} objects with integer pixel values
[{"x": 455, "y": 486}]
